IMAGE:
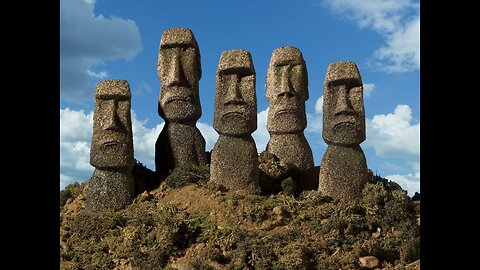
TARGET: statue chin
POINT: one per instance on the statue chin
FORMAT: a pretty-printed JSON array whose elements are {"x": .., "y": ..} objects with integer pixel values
[
  {"x": 345, "y": 136},
  {"x": 234, "y": 124},
  {"x": 180, "y": 112},
  {"x": 111, "y": 157},
  {"x": 286, "y": 123}
]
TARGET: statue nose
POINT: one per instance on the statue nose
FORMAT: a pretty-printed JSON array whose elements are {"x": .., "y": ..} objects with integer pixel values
[
  {"x": 233, "y": 96},
  {"x": 285, "y": 85},
  {"x": 176, "y": 75},
  {"x": 343, "y": 105},
  {"x": 112, "y": 120}
]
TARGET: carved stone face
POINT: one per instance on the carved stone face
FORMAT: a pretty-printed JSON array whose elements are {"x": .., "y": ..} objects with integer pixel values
[
  {"x": 179, "y": 72},
  {"x": 235, "y": 98},
  {"x": 112, "y": 143},
  {"x": 343, "y": 109},
  {"x": 287, "y": 91}
]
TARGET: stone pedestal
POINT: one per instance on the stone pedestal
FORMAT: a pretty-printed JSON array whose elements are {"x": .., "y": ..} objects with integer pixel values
[
  {"x": 109, "y": 190},
  {"x": 179, "y": 144},
  {"x": 234, "y": 163},
  {"x": 343, "y": 172},
  {"x": 294, "y": 149}
]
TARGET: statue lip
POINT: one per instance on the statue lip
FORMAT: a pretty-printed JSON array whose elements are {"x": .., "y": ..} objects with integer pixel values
[
  {"x": 344, "y": 123},
  {"x": 286, "y": 111},
  {"x": 232, "y": 113},
  {"x": 177, "y": 98},
  {"x": 110, "y": 143}
]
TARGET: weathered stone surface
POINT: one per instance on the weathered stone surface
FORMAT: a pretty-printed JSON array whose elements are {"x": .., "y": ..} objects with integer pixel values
[
  {"x": 343, "y": 109},
  {"x": 287, "y": 92},
  {"x": 343, "y": 172},
  {"x": 112, "y": 143},
  {"x": 109, "y": 190},
  {"x": 234, "y": 161},
  {"x": 235, "y": 111},
  {"x": 295, "y": 150},
  {"x": 179, "y": 144},
  {"x": 111, "y": 185},
  {"x": 179, "y": 71}
]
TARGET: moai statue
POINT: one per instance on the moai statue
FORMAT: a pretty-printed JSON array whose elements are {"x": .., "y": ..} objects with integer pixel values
[
  {"x": 234, "y": 161},
  {"x": 343, "y": 171},
  {"x": 111, "y": 186},
  {"x": 179, "y": 70},
  {"x": 287, "y": 92}
]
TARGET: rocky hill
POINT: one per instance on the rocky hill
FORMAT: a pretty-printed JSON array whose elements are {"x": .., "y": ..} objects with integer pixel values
[{"x": 188, "y": 223}]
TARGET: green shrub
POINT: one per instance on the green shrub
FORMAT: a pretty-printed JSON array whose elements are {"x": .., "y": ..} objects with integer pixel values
[{"x": 183, "y": 175}]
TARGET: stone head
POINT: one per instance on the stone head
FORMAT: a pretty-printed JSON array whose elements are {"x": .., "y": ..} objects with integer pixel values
[
  {"x": 112, "y": 143},
  {"x": 179, "y": 72},
  {"x": 235, "y": 98},
  {"x": 343, "y": 109},
  {"x": 287, "y": 91}
]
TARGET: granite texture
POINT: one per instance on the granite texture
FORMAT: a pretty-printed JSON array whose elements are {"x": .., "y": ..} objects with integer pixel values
[
  {"x": 235, "y": 112},
  {"x": 234, "y": 160},
  {"x": 112, "y": 139},
  {"x": 234, "y": 163},
  {"x": 343, "y": 109},
  {"x": 287, "y": 92},
  {"x": 179, "y": 145},
  {"x": 109, "y": 190},
  {"x": 343, "y": 171},
  {"x": 179, "y": 72},
  {"x": 111, "y": 185},
  {"x": 294, "y": 149}
]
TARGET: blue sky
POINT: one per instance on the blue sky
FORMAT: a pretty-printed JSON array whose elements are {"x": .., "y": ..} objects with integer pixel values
[{"x": 108, "y": 39}]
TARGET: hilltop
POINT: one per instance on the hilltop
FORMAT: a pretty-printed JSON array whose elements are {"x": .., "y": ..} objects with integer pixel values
[{"x": 188, "y": 223}]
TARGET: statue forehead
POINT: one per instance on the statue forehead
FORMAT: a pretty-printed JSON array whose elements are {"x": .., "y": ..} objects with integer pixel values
[
  {"x": 178, "y": 37},
  {"x": 343, "y": 71},
  {"x": 287, "y": 55},
  {"x": 236, "y": 60},
  {"x": 118, "y": 88}
]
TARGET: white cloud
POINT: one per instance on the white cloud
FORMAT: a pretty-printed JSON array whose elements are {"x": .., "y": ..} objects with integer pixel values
[
  {"x": 315, "y": 120},
  {"x": 75, "y": 139},
  {"x": 394, "y": 134},
  {"x": 368, "y": 89},
  {"x": 88, "y": 40},
  {"x": 99, "y": 75},
  {"x": 410, "y": 182},
  {"x": 144, "y": 139},
  {"x": 261, "y": 135},
  {"x": 402, "y": 52},
  {"x": 398, "y": 21},
  {"x": 209, "y": 133},
  {"x": 319, "y": 105}
]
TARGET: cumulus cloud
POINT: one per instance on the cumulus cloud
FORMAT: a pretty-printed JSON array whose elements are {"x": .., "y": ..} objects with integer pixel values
[
  {"x": 76, "y": 135},
  {"x": 315, "y": 120},
  {"x": 209, "y": 134},
  {"x": 75, "y": 138},
  {"x": 261, "y": 135},
  {"x": 394, "y": 134},
  {"x": 144, "y": 139},
  {"x": 88, "y": 40},
  {"x": 410, "y": 182},
  {"x": 368, "y": 89},
  {"x": 398, "y": 21}
]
